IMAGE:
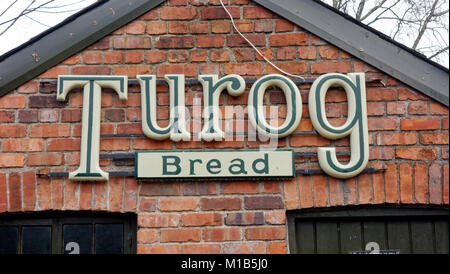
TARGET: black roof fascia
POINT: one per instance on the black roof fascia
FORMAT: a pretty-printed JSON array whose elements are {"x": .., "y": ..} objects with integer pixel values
[
  {"x": 367, "y": 44},
  {"x": 67, "y": 38}
]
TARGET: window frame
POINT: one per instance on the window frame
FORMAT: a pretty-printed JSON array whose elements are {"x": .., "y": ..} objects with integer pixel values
[
  {"x": 374, "y": 212},
  {"x": 58, "y": 219}
]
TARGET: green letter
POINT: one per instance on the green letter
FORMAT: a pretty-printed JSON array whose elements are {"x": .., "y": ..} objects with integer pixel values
[
  {"x": 210, "y": 166},
  {"x": 192, "y": 163},
  {"x": 265, "y": 162},
  {"x": 256, "y": 105},
  {"x": 241, "y": 167},
  {"x": 176, "y": 164},
  {"x": 355, "y": 126},
  {"x": 212, "y": 88},
  {"x": 89, "y": 169},
  {"x": 176, "y": 129}
]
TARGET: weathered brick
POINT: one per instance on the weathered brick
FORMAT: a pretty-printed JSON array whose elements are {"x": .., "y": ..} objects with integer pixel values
[
  {"x": 201, "y": 248},
  {"x": 244, "y": 69},
  {"x": 198, "y": 27},
  {"x": 136, "y": 28},
  {"x": 219, "y": 13},
  {"x": 220, "y": 203},
  {"x": 178, "y": 204},
  {"x": 132, "y": 42},
  {"x": 15, "y": 192},
  {"x": 244, "y": 248},
  {"x": 23, "y": 145},
  {"x": 158, "y": 220},
  {"x": 220, "y": 27},
  {"x": 156, "y": 27},
  {"x": 328, "y": 67},
  {"x": 3, "y": 191},
  {"x": 263, "y": 202},
  {"x": 416, "y": 153},
  {"x": 406, "y": 179},
  {"x": 435, "y": 138},
  {"x": 429, "y": 123},
  {"x": 7, "y": 116},
  {"x": 29, "y": 190},
  {"x": 13, "y": 131},
  {"x": 378, "y": 124},
  {"x": 418, "y": 108},
  {"x": 91, "y": 70},
  {"x": 170, "y": 13},
  {"x": 29, "y": 87},
  {"x": 160, "y": 189},
  {"x": 396, "y": 138},
  {"x": 92, "y": 57},
  {"x": 11, "y": 160},
  {"x": 181, "y": 235},
  {"x": 283, "y": 26},
  {"x": 275, "y": 217},
  {"x": 147, "y": 236},
  {"x": 277, "y": 248},
  {"x": 222, "y": 234},
  {"x": 45, "y": 159},
  {"x": 258, "y": 13},
  {"x": 12, "y": 101},
  {"x": 159, "y": 249},
  {"x": 220, "y": 56},
  {"x": 396, "y": 108},
  {"x": 43, "y": 131},
  {"x": 259, "y": 40},
  {"x": 113, "y": 57},
  {"x": 45, "y": 102},
  {"x": 178, "y": 27},
  {"x": 265, "y": 233},
  {"x": 291, "y": 39},
  {"x": 435, "y": 183},
  {"x": 49, "y": 116},
  {"x": 64, "y": 145},
  {"x": 201, "y": 219},
  {"x": 244, "y": 218},
  {"x": 239, "y": 188},
  {"x": 264, "y": 26},
  {"x": 134, "y": 57},
  {"x": 421, "y": 183}
]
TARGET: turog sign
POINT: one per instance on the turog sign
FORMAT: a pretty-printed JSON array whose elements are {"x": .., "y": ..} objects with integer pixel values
[{"x": 223, "y": 164}]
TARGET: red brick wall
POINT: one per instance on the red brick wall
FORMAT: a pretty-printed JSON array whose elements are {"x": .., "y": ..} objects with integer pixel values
[{"x": 408, "y": 133}]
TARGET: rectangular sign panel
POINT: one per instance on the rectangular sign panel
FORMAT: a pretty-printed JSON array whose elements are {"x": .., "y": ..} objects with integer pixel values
[{"x": 215, "y": 164}]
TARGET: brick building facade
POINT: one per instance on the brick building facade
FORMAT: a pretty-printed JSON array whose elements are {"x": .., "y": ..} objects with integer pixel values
[{"x": 40, "y": 136}]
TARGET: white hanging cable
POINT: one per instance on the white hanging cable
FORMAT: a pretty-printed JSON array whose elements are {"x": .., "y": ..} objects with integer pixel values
[{"x": 257, "y": 50}]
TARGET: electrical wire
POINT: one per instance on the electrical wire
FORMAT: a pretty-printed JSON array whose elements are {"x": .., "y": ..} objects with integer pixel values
[{"x": 257, "y": 50}]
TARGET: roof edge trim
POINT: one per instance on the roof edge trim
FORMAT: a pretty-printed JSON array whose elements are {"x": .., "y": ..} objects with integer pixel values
[{"x": 19, "y": 66}]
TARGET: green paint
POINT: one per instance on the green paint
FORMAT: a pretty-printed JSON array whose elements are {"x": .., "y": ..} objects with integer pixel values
[
  {"x": 147, "y": 102},
  {"x": 258, "y": 92},
  {"x": 209, "y": 100},
  {"x": 90, "y": 78},
  {"x": 356, "y": 89},
  {"x": 192, "y": 165},
  {"x": 89, "y": 140},
  {"x": 213, "y": 164},
  {"x": 175, "y": 163},
  {"x": 265, "y": 162},
  {"x": 240, "y": 165}
]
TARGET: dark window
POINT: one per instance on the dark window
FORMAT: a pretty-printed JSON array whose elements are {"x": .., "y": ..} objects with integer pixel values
[
  {"x": 68, "y": 233},
  {"x": 369, "y": 230}
]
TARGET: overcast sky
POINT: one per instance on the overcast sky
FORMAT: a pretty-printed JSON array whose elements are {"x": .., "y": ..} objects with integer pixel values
[{"x": 34, "y": 23}]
